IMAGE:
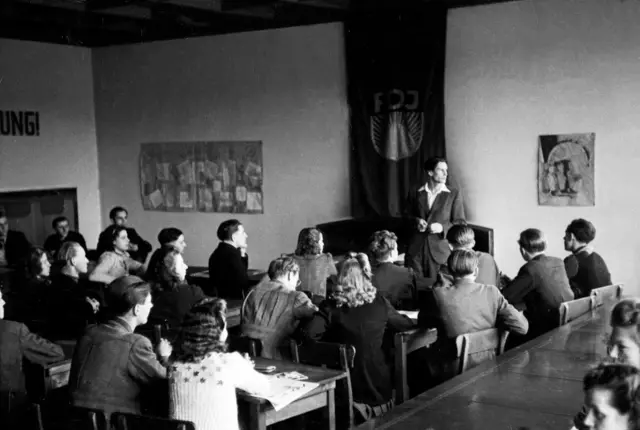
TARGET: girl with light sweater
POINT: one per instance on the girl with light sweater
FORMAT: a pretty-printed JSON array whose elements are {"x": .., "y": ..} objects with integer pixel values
[{"x": 204, "y": 376}]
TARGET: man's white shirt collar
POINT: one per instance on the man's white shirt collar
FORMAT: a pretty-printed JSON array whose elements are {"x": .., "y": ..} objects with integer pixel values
[{"x": 444, "y": 189}]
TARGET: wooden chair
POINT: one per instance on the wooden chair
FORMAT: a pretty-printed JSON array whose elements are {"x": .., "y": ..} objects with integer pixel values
[
  {"x": 122, "y": 421},
  {"x": 404, "y": 343},
  {"x": 606, "y": 294},
  {"x": 473, "y": 348},
  {"x": 86, "y": 419},
  {"x": 245, "y": 345},
  {"x": 332, "y": 356},
  {"x": 574, "y": 308}
]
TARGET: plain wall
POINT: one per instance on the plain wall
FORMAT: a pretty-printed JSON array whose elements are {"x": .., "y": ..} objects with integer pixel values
[
  {"x": 56, "y": 81},
  {"x": 284, "y": 87},
  {"x": 523, "y": 69}
]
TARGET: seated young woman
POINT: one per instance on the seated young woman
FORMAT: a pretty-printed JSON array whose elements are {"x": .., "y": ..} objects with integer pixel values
[
  {"x": 116, "y": 262},
  {"x": 623, "y": 345},
  {"x": 73, "y": 301},
  {"x": 27, "y": 300},
  {"x": 272, "y": 311},
  {"x": 172, "y": 296},
  {"x": 170, "y": 237},
  {"x": 17, "y": 343},
  {"x": 341, "y": 321},
  {"x": 315, "y": 266},
  {"x": 203, "y": 376},
  {"x": 611, "y": 397}
]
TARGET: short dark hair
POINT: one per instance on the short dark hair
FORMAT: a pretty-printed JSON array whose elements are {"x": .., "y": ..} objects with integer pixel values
[
  {"x": 381, "y": 244},
  {"x": 462, "y": 262},
  {"x": 308, "y": 242},
  {"x": 622, "y": 381},
  {"x": 460, "y": 235},
  {"x": 168, "y": 235},
  {"x": 57, "y": 220},
  {"x": 432, "y": 163},
  {"x": 532, "y": 240},
  {"x": 582, "y": 230},
  {"x": 228, "y": 229},
  {"x": 282, "y": 266},
  {"x": 113, "y": 212},
  {"x": 626, "y": 313},
  {"x": 124, "y": 293}
]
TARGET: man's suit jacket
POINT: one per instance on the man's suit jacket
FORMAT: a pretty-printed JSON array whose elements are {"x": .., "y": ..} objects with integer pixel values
[
  {"x": 541, "y": 285},
  {"x": 16, "y": 248},
  {"x": 447, "y": 209},
  {"x": 228, "y": 275},
  {"x": 18, "y": 343},
  {"x": 586, "y": 270}
]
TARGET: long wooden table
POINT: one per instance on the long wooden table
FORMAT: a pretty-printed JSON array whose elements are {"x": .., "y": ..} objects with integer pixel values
[
  {"x": 535, "y": 386},
  {"x": 262, "y": 414}
]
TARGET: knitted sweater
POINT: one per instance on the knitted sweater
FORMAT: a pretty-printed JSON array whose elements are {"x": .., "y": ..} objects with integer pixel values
[{"x": 205, "y": 392}]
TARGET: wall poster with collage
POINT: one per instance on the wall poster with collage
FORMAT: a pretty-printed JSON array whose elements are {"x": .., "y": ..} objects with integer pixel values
[{"x": 202, "y": 177}]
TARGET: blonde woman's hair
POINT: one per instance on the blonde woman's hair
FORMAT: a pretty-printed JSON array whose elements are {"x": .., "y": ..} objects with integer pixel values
[{"x": 354, "y": 282}]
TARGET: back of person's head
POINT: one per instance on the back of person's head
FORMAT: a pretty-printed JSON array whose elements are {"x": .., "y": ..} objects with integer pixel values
[
  {"x": 281, "y": 267},
  {"x": 582, "y": 230},
  {"x": 125, "y": 293},
  {"x": 621, "y": 381},
  {"x": 167, "y": 277},
  {"x": 203, "y": 331},
  {"x": 382, "y": 244},
  {"x": 462, "y": 262},
  {"x": 354, "y": 281},
  {"x": 168, "y": 235},
  {"x": 227, "y": 229},
  {"x": 532, "y": 241},
  {"x": 461, "y": 236},
  {"x": 309, "y": 242}
]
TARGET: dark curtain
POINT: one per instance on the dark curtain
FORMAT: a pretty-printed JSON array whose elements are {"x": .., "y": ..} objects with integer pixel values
[{"x": 395, "y": 72}]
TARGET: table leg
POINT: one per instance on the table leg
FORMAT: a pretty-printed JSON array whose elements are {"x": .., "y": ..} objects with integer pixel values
[
  {"x": 257, "y": 418},
  {"x": 330, "y": 411}
]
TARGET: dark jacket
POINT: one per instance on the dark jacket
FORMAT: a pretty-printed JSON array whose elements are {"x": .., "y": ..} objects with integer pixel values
[
  {"x": 18, "y": 343},
  {"x": 69, "y": 312},
  {"x": 228, "y": 275},
  {"x": 144, "y": 247},
  {"x": 16, "y": 248},
  {"x": 541, "y": 285},
  {"x": 110, "y": 367},
  {"x": 429, "y": 250},
  {"x": 586, "y": 271},
  {"x": 396, "y": 283},
  {"x": 371, "y": 377},
  {"x": 53, "y": 243}
]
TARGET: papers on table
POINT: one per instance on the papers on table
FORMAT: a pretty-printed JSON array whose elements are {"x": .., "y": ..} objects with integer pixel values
[
  {"x": 411, "y": 314},
  {"x": 283, "y": 390}
]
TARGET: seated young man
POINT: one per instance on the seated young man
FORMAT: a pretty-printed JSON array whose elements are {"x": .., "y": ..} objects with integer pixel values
[
  {"x": 62, "y": 235},
  {"x": 464, "y": 306},
  {"x": 585, "y": 268},
  {"x": 229, "y": 263},
  {"x": 461, "y": 236},
  {"x": 111, "y": 364},
  {"x": 541, "y": 285},
  {"x": 396, "y": 283},
  {"x": 17, "y": 343}
]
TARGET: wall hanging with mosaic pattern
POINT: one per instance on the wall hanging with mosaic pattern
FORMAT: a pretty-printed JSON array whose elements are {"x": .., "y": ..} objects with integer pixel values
[{"x": 202, "y": 177}]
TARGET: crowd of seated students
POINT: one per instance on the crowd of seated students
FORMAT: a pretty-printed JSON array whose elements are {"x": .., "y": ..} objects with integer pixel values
[{"x": 306, "y": 296}]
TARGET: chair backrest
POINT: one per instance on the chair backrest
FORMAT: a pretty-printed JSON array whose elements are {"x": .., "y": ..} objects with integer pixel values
[
  {"x": 606, "y": 294},
  {"x": 574, "y": 308},
  {"x": 122, "y": 421},
  {"x": 473, "y": 348},
  {"x": 245, "y": 345},
  {"x": 86, "y": 419},
  {"x": 404, "y": 343},
  {"x": 332, "y": 356}
]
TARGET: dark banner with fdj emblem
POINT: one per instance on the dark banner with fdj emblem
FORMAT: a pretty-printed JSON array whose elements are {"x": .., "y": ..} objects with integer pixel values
[{"x": 395, "y": 71}]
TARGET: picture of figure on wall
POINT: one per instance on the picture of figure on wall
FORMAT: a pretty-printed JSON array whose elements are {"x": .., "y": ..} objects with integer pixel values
[{"x": 566, "y": 170}]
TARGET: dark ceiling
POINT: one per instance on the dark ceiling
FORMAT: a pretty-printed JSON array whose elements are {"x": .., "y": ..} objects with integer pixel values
[{"x": 95, "y": 23}]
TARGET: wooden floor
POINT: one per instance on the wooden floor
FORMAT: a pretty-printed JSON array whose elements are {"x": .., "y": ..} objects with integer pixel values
[{"x": 535, "y": 386}]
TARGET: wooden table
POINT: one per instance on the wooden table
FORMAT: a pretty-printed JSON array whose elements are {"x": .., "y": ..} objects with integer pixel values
[
  {"x": 262, "y": 414},
  {"x": 535, "y": 386}
]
